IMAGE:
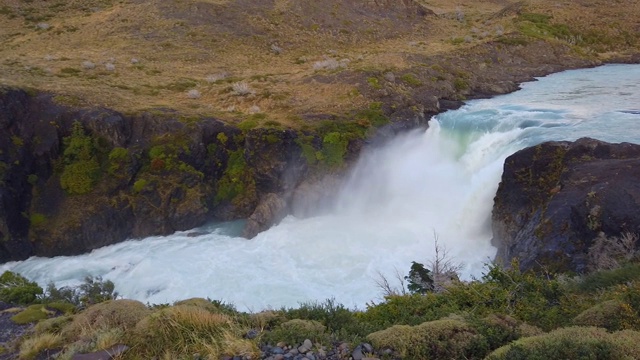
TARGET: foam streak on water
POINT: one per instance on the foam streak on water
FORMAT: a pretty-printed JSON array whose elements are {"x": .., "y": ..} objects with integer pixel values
[{"x": 442, "y": 180}]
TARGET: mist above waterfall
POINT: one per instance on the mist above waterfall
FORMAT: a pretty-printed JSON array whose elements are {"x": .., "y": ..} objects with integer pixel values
[{"x": 441, "y": 180}]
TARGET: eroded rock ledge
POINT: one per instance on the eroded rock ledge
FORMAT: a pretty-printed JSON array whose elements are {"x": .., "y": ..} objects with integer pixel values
[{"x": 557, "y": 197}]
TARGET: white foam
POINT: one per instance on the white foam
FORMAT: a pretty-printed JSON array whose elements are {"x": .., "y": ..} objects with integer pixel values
[{"x": 443, "y": 180}]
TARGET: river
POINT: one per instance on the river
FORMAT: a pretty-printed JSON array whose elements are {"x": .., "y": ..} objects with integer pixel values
[{"x": 397, "y": 199}]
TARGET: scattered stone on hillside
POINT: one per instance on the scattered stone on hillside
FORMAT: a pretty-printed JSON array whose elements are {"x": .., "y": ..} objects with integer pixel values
[
  {"x": 555, "y": 199},
  {"x": 306, "y": 346}
]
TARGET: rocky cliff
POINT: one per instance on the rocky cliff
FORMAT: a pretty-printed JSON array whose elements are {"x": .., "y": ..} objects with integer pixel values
[
  {"x": 76, "y": 179},
  {"x": 556, "y": 198}
]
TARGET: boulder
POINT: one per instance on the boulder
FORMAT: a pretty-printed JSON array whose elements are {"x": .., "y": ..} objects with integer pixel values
[
  {"x": 271, "y": 209},
  {"x": 556, "y": 198}
]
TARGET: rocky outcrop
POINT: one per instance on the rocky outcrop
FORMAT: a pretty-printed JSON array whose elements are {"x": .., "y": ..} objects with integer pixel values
[
  {"x": 73, "y": 180},
  {"x": 557, "y": 197},
  {"x": 269, "y": 211}
]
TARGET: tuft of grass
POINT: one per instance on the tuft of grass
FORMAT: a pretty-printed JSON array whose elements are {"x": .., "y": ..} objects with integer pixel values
[
  {"x": 113, "y": 314},
  {"x": 242, "y": 89},
  {"x": 106, "y": 338},
  {"x": 33, "y": 346},
  {"x": 248, "y": 124},
  {"x": 411, "y": 79},
  {"x": 53, "y": 325},
  {"x": 188, "y": 329}
]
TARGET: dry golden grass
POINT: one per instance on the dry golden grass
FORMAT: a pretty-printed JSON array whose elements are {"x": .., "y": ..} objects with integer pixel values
[
  {"x": 122, "y": 315},
  {"x": 189, "y": 329},
  {"x": 178, "y": 45},
  {"x": 31, "y": 347}
]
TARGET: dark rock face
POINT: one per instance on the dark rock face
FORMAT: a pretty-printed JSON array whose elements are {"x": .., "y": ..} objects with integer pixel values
[
  {"x": 157, "y": 173},
  {"x": 555, "y": 198}
]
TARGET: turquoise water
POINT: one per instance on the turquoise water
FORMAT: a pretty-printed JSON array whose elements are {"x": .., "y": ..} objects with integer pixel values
[{"x": 441, "y": 182}]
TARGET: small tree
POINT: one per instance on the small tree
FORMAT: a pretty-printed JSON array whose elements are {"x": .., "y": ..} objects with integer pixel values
[
  {"x": 420, "y": 280},
  {"x": 442, "y": 271},
  {"x": 92, "y": 291},
  {"x": 445, "y": 269},
  {"x": 382, "y": 282}
]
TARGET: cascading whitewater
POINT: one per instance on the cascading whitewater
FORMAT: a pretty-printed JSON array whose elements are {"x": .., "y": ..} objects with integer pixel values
[{"x": 440, "y": 181}]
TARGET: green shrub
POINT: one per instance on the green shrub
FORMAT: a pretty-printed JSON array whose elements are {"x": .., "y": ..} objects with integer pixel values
[
  {"x": 373, "y": 116},
  {"x": 118, "y": 158},
  {"x": 374, "y": 83},
  {"x": 16, "y": 289},
  {"x": 37, "y": 219},
  {"x": 307, "y": 149},
  {"x": 222, "y": 137},
  {"x": 334, "y": 148},
  {"x": 92, "y": 291},
  {"x": 32, "y": 179},
  {"x": 248, "y": 124},
  {"x": 500, "y": 330},
  {"x": 81, "y": 167},
  {"x": 411, "y": 79},
  {"x": 440, "y": 339},
  {"x": 80, "y": 177},
  {"x": 118, "y": 154},
  {"x": 339, "y": 321},
  {"x": 573, "y": 343},
  {"x": 237, "y": 180},
  {"x": 612, "y": 315},
  {"x": 139, "y": 185},
  {"x": 540, "y": 26},
  {"x": 460, "y": 84},
  {"x": 604, "y": 279},
  {"x": 535, "y": 300},
  {"x": 95, "y": 290},
  {"x": 294, "y": 332},
  {"x": 416, "y": 309}
]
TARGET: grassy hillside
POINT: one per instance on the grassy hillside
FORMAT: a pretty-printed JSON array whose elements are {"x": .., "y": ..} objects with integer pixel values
[
  {"x": 286, "y": 59},
  {"x": 504, "y": 315}
]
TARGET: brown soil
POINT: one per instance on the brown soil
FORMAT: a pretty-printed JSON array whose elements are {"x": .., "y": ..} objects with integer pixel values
[{"x": 278, "y": 48}]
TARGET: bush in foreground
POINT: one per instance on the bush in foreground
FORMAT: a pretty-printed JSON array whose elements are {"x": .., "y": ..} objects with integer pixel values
[
  {"x": 440, "y": 339},
  {"x": 612, "y": 315},
  {"x": 573, "y": 343},
  {"x": 294, "y": 332},
  {"x": 16, "y": 289}
]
